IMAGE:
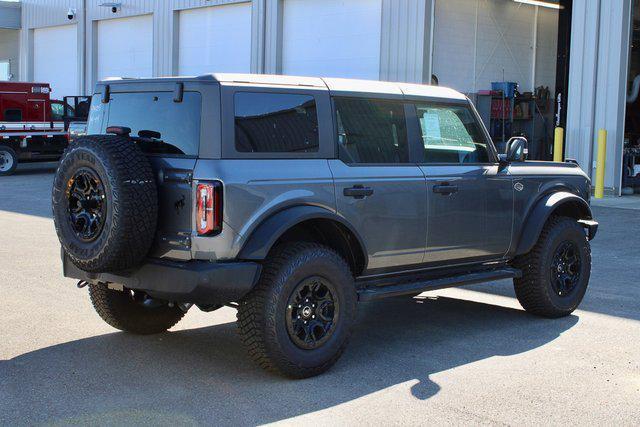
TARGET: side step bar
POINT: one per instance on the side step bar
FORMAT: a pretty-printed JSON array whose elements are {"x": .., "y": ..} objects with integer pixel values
[{"x": 372, "y": 293}]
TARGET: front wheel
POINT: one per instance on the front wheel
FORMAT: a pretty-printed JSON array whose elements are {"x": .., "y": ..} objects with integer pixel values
[
  {"x": 8, "y": 160},
  {"x": 298, "y": 318},
  {"x": 555, "y": 273}
]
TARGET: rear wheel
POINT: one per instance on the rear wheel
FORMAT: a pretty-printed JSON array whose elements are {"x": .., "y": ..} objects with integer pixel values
[
  {"x": 555, "y": 273},
  {"x": 298, "y": 318},
  {"x": 133, "y": 311},
  {"x": 8, "y": 160}
]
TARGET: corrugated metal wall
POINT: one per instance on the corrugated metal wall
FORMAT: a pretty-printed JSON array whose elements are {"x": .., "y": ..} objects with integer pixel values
[
  {"x": 601, "y": 31},
  {"x": 10, "y": 15},
  {"x": 405, "y": 32}
]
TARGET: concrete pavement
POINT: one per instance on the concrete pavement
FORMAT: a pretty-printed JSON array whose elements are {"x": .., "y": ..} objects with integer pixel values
[{"x": 458, "y": 356}]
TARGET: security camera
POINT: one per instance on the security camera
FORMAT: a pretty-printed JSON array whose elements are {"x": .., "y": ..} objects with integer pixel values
[
  {"x": 115, "y": 7},
  {"x": 71, "y": 14}
]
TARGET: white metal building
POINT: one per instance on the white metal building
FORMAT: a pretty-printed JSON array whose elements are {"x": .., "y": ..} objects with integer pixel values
[
  {"x": 9, "y": 40},
  {"x": 467, "y": 44}
]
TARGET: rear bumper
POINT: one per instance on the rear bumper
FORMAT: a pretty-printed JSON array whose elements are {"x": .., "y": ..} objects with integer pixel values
[{"x": 198, "y": 282}]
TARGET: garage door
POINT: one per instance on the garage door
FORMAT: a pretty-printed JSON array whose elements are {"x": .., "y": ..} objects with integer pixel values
[
  {"x": 215, "y": 39},
  {"x": 125, "y": 47},
  {"x": 55, "y": 59},
  {"x": 332, "y": 38}
]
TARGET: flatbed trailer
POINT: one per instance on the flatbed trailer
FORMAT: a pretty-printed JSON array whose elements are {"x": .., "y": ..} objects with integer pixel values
[{"x": 32, "y": 126}]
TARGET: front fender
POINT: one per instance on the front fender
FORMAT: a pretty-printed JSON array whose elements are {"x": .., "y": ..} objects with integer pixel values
[
  {"x": 261, "y": 240},
  {"x": 541, "y": 212}
]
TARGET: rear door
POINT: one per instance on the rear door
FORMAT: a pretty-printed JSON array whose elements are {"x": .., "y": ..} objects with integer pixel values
[
  {"x": 470, "y": 200},
  {"x": 172, "y": 152},
  {"x": 378, "y": 189}
]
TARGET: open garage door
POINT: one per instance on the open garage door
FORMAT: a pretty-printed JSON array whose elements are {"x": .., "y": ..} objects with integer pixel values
[
  {"x": 215, "y": 39},
  {"x": 55, "y": 59},
  {"x": 332, "y": 38},
  {"x": 125, "y": 47}
]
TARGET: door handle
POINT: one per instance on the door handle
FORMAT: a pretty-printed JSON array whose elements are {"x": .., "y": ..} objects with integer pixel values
[
  {"x": 358, "y": 191},
  {"x": 445, "y": 188}
]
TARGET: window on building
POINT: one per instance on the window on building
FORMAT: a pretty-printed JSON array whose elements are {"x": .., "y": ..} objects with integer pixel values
[
  {"x": 451, "y": 134},
  {"x": 275, "y": 123},
  {"x": 371, "y": 131},
  {"x": 5, "y": 70}
]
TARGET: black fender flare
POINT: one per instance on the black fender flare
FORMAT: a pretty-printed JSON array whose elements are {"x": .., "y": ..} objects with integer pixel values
[
  {"x": 541, "y": 212},
  {"x": 263, "y": 237}
]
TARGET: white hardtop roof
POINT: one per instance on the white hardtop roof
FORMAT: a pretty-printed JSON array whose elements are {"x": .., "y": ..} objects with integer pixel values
[
  {"x": 335, "y": 85},
  {"x": 344, "y": 85}
]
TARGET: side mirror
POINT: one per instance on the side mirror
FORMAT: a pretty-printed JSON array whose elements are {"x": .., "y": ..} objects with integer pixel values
[{"x": 516, "y": 150}]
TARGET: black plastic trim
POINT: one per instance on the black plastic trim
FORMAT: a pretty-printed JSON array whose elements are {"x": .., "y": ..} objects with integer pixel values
[
  {"x": 373, "y": 292},
  {"x": 267, "y": 233},
  {"x": 542, "y": 211},
  {"x": 198, "y": 282}
]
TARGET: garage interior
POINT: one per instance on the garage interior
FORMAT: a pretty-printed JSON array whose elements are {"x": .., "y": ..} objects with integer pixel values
[
  {"x": 507, "y": 57},
  {"x": 631, "y": 149}
]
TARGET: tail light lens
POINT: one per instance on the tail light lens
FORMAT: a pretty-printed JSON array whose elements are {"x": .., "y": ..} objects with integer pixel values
[{"x": 209, "y": 208}]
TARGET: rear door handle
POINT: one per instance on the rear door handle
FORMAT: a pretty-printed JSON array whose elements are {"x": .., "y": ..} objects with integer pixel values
[
  {"x": 358, "y": 191},
  {"x": 445, "y": 189}
]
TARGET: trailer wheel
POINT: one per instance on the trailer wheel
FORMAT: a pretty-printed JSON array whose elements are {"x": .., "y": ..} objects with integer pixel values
[{"x": 8, "y": 160}]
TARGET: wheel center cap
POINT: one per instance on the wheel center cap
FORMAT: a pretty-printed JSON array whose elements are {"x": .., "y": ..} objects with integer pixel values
[{"x": 306, "y": 311}]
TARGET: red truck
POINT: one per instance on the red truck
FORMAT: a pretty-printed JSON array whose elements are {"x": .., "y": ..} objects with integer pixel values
[{"x": 34, "y": 127}]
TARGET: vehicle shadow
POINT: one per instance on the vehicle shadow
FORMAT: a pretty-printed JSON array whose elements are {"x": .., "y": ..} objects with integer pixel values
[{"x": 203, "y": 376}]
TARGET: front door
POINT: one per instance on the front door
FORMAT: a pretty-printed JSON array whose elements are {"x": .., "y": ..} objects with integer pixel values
[
  {"x": 470, "y": 200},
  {"x": 377, "y": 189}
]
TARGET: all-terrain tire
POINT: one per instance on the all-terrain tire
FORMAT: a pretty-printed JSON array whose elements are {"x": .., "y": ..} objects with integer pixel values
[
  {"x": 8, "y": 160},
  {"x": 534, "y": 289},
  {"x": 262, "y": 315},
  {"x": 123, "y": 176},
  {"x": 123, "y": 311}
]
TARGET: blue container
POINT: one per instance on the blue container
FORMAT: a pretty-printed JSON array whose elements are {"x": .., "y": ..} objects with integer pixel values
[{"x": 508, "y": 88}]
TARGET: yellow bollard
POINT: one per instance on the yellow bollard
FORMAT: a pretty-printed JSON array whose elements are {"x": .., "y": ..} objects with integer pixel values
[
  {"x": 600, "y": 162},
  {"x": 557, "y": 144}
]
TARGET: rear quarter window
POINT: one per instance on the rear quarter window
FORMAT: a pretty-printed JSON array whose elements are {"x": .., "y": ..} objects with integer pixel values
[
  {"x": 275, "y": 123},
  {"x": 177, "y": 123}
]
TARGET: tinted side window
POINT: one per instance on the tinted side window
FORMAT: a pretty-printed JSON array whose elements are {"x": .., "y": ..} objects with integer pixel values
[
  {"x": 275, "y": 123},
  {"x": 177, "y": 123},
  {"x": 371, "y": 131},
  {"x": 57, "y": 111},
  {"x": 451, "y": 134}
]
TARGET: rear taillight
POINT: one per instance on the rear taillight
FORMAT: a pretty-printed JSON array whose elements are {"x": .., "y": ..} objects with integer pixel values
[{"x": 209, "y": 208}]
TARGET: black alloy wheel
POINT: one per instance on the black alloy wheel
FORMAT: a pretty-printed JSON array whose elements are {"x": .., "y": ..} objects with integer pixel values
[
  {"x": 565, "y": 268},
  {"x": 312, "y": 312},
  {"x": 87, "y": 204}
]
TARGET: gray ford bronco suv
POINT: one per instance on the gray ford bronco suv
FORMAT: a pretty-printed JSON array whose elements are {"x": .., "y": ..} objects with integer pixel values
[{"x": 293, "y": 199}]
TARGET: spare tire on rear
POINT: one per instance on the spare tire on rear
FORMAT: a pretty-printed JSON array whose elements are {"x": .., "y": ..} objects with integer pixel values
[{"x": 105, "y": 203}]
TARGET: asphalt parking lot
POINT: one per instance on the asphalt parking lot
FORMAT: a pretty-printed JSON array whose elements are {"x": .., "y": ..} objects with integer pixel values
[{"x": 458, "y": 356}]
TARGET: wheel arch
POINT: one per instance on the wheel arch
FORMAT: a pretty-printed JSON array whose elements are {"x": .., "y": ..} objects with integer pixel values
[
  {"x": 307, "y": 223},
  {"x": 561, "y": 203}
]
